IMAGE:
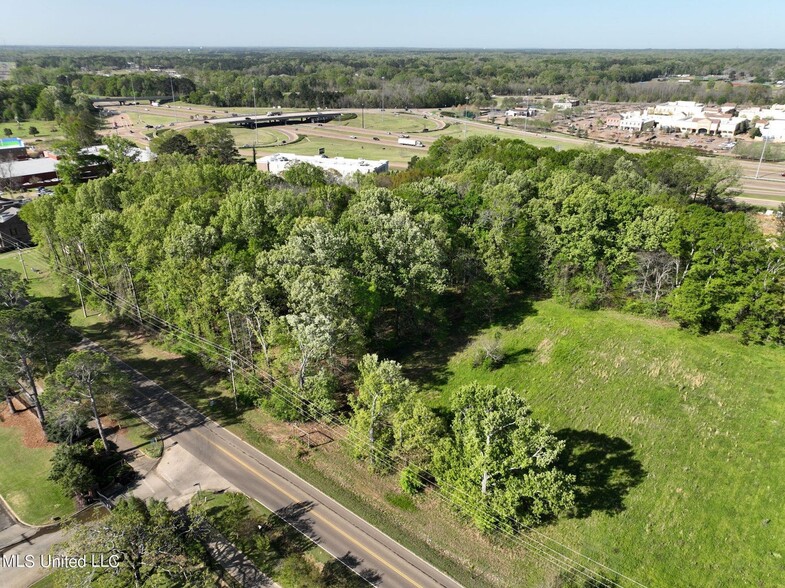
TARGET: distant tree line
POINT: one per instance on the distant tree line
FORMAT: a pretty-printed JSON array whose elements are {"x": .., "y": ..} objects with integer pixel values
[{"x": 342, "y": 78}]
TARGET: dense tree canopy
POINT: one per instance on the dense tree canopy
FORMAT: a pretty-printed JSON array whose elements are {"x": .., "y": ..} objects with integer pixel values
[
  {"x": 499, "y": 464},
  {"x": 314, "y": 282}
]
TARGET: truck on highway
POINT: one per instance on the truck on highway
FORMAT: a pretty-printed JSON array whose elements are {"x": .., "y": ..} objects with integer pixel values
[{"x": 410, "y": 142}]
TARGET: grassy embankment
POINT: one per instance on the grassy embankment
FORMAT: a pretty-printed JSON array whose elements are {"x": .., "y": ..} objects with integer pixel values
[{"x": 674, "y": 438}]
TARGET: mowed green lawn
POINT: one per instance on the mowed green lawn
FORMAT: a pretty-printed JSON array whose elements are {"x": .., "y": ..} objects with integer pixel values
[
  {"x": 676, "y": 441},
  {"x": 248, "y": 136},
  {"x": 348, "y": 148},
  {"x": 22, "y": 130},
  {"x": 23, "y": 481},
  {"x": 389, "y": 121}
]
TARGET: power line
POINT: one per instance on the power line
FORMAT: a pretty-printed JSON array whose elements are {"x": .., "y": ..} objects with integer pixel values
[{"x": 550, "y": 555}]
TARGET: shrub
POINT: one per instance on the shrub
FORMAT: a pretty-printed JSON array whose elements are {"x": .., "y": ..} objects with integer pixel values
[{"x": 410, "y": 481}]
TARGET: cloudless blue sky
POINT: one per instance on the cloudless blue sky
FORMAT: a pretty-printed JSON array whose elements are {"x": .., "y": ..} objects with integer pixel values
[{"x": 397, "y": 23}]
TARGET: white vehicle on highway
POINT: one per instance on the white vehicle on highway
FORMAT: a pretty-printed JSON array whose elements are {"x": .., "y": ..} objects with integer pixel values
[{"x": 410, "y": 142}]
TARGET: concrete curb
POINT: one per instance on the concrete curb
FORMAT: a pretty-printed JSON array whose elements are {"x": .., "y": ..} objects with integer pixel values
[{"x": 25, "y": 524}]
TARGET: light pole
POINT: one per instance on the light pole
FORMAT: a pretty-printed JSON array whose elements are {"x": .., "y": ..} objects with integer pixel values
[
  {"x": 362, "y": 106},
  {"x": 255, "y": 122},
  {"x": 762, "y": 153},
  {"x": 465, "y": 115},
  {"x": 526, "y": 119},
  {"x": 382, "y": 99}
]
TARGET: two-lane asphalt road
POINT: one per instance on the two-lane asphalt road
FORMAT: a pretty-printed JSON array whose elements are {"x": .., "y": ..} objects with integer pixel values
[{"x": 340, "y": 532}]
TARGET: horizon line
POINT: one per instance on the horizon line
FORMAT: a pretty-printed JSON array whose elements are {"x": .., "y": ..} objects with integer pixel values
[{"x": 6, "y": 46}]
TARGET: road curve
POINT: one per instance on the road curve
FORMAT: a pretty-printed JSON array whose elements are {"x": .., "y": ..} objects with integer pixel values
[{"x": 361, "y": 546}]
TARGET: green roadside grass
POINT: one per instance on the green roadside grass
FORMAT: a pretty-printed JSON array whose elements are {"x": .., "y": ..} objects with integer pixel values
[
  {"x": 248, "y": 136},
  {"x": 53, "y": 580},
  {"x": 775, "y": 197},
  {"x": 141, "y": 435}
]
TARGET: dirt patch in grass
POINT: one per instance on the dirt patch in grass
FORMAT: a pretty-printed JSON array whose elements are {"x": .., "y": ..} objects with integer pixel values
[{"x": 32, "y": 434}]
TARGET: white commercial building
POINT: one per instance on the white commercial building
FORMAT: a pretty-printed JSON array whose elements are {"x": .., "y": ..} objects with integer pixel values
[
  {"x": 139, "y": 155},
  {"x": 635, "y": 121},
  {"x": 279, "y": 162},
  {"x": 683, "y": 108},
  {"x": 774, "y": 130}
]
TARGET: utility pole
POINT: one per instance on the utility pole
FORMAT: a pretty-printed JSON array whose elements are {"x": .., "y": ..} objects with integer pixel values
[
  {"x": 171, "y": 85},
  {"x": 231, "y": 330},
  {"x": 81, "y": 298},
  {"x": 22, "y": 261},
  {"x": 234, "y": 385},
  {"x": 526, "y": 119},
  {"x": 762, "y": 153},
  {"x": 133, "y": 291},
  {"x": 363, "y": 114},
  {"x": 382, "y": 98}
]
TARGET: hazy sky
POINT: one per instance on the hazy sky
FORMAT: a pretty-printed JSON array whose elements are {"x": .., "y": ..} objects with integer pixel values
[{"x": 397, "y": 23}]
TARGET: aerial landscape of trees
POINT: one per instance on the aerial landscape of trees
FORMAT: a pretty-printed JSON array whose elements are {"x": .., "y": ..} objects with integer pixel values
[
  {"x": 415, "y": 79},
  {"x": 312, "y": 281},
  {"x": 391, "y": 310}
]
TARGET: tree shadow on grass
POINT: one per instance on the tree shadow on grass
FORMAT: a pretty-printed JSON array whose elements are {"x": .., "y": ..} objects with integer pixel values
[
  {"x": 605, "y": 469},
  {"x": 427, "y": 360}
]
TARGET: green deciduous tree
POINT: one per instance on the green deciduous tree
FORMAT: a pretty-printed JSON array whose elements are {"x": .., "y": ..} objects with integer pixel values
[
  {"x": 13, "y": 289},
  {"x": 73, "y": 468},
  {"x": 30, "y": 342},
  {"x": 151, "y": 545},
  {"x": 86, "y": 377},
  {"x": 500, "y": 464},
  {"x": 173, "y": 142},
  {"x": 380, "y": 391}
]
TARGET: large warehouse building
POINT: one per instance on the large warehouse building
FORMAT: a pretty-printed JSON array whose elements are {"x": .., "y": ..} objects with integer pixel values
[{"x": 279, "y": 162}]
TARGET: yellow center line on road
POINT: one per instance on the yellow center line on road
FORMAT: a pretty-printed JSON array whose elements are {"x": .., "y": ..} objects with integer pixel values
[{"x": 348, "y": 537}]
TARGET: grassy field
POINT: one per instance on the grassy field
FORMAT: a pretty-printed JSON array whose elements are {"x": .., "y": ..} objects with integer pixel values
[
  {"x": 22, "y": 130},
  {"x": 675, "y": 439},
  {"x": 347, "y": 148},
  {"x": 248, "y": 136},
  {"x": 140, "y": 118},
  {"x": 389, "y": 121},
  {"x": 23, "y": 482}
]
